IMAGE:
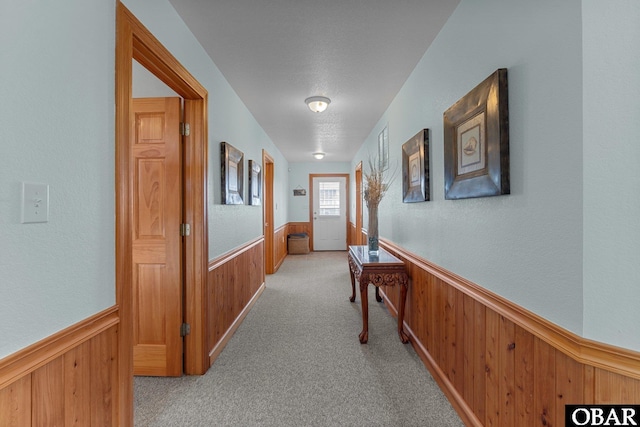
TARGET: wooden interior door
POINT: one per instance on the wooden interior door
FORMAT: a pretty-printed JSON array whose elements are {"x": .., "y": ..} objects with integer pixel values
[
  {"x": 268, "y": 230},
  {"x": 157, "y": 254},
  {"x": 358, "y": 236}
]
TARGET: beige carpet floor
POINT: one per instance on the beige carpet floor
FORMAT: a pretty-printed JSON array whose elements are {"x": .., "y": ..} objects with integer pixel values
[{"x": 296, "y": 361}]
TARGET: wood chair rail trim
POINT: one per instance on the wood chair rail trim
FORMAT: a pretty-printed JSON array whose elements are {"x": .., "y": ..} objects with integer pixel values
[{"x": 42, "y": 352}]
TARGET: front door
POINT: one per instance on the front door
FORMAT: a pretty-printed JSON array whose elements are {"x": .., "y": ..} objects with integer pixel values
[
  {"x": 157, "y": 243},
  {"x": 329, "y": 213}
]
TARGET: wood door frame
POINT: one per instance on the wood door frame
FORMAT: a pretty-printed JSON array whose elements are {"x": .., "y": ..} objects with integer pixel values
[
  {"x": 134, "y": 41},
  {"x": 268, "y": 165},
  {"x": 358, "y": 225},
  {"x": 326, "y": 175}
]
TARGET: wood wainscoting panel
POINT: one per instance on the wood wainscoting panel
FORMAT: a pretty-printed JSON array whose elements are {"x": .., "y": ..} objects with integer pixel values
[
  {"x": 234, "y": 282},
  {"x": 280, "y": 246},
  {"x": 351, "y": 234},
  {"x": 544, "y": 384},
  {"x": 611, "y": 388},
  {"x": 77, "y": 368},
  {"x": 523, "y": 379},
  {"x": 68, "y": 379},
  {"x": 15, "y": 403},
  {"x": 499, "y": 364},
  {"x": 298, "y": 228},
  {"x": 48, "y": 390},
  {"x": 104, "y": 375}
]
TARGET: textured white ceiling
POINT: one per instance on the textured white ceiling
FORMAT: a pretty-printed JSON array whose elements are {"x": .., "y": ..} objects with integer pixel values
[{"x": 276, "y": 53}]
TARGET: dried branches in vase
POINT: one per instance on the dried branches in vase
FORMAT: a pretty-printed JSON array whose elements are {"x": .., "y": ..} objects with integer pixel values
[{"x": 375, "y": 188}]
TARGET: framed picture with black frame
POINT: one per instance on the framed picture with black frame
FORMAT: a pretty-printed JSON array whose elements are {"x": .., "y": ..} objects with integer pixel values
[
  {"x": 232, "y": 170},
  {"x": 476, "y": 141},
  {"x": 415, "y": 168},
  {"x": 255, "y": 183}
]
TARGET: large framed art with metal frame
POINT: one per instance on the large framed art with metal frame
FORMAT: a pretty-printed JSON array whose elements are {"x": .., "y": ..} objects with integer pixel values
[
  {"x": 476, "y": 141},
  {"x": 231, "y": 170}
]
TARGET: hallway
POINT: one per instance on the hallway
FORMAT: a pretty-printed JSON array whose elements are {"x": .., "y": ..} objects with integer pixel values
[{"x": 296, "y": 361}]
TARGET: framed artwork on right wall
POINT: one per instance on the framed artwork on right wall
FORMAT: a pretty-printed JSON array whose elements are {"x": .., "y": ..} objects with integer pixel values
[
  {"x": 476, "y": 141},
  {"x": 415, "y": 168}
]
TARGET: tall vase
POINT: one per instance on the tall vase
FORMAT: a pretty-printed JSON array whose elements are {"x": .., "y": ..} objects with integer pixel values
[{"x": 372, "y": 231}]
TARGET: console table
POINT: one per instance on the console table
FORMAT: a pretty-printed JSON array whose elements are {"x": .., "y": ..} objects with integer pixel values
[{"x": 383, "y": 269}]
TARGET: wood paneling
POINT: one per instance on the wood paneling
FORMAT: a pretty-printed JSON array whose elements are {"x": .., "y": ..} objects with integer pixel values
[
  {"x": 351, "y": 234},
  {"x": 48, "y": 391},
  {"x": 612, "y": 388},
  {"x": 499, "y": 364},
  {"x": 77, "y": 393},
  {"x": 234, "y": 282},
  {"x": 280, "y": 246},
  {"x": 68, "y": 379},
  {"x": 299, "y": 227},
  {"x": 294, "y": 228},
  {"x": 524, "y": 378},
  {"x": 15, "y": 403},
  {"x": 280, "y": 240}
]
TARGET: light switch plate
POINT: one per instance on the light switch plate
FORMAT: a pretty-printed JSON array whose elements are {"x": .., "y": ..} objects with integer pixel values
[{"x": 35, "y": 202}]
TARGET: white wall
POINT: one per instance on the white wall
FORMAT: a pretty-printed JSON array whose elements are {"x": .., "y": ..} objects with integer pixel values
[
  {"x": 299, "y": 178},
  {"x": 611, "y": 153},
  {"x": 229, "y": 120},
  {"x": 56, "y": 127},
  {"x": 526, "y": 246}
]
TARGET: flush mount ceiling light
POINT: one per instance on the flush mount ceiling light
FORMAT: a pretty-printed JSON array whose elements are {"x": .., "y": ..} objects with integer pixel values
[
  {"x": 317, "y": 104},
  {"x": 319, "y": 155}
]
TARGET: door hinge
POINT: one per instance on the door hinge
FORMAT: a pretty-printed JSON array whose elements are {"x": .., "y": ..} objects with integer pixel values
[
  {"x": 185, "y": 129},
  {"x": 185, "y": 229},
  {"x": 185, "y": 329}
]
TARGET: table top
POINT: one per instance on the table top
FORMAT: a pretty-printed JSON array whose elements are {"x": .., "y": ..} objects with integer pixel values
[{"x": 361, "y": 254}]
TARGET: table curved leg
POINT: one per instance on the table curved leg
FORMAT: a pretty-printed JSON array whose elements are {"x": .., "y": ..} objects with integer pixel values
[
  {"x": 364, "y": 335},
  {"x": 403, "y": 336},
  {"x": 378, "y": 297},
  {"x": 352, "y": 298},
  {"x": 403, "y": 296}
]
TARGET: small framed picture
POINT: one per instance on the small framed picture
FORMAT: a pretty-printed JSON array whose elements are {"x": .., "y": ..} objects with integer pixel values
[
  {"x": 415, "y": 168},
  {"x": 255, "y": 183},
  {"x": 232, "y": 167},
  {"x": 383, "y": 148}
]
